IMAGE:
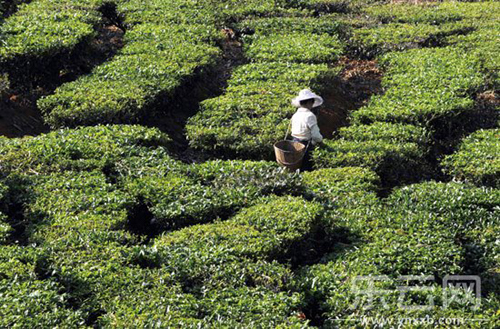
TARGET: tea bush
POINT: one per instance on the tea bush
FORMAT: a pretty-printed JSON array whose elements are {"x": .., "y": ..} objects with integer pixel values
[
  {"x": 177, "y": 201},
  {"x": 328, "y": 6},
  {"x": 226, "y": 258},
  {"x": 238, "y": 252},
  {"x": 296, "y": 47},
  {"x": 327, "y": 24},
  {"x": 200, "y": 193},
  {"x": 426, "y": 87},
  {"x": 477, "y": 159},
  {"x": 161, "y": 305},
  {"x": 394, "y": 151},
  {"x": 85, "y": 148},
  {"x": 237, "y": 10},
  {"x": 28, "y": 301},
  {"x": 97, "y": 206},
  {"x": 246, "y": 120},
  {"x": 157, "y": 59},
  {"x": 5, "y": 228},
  {"x": 343, "y": 191},
  {"x": 427, "y": 229},
  {"x": 429, "y": 24},
  {"x": 469, "y": 215},
  {"x": 80, "y": 218},
  {"x": 482, "y": 46},
  {"x": 343, "y": 186},
  {"x": 178, "y": 12},
  {"x": 129, "y": 86},
  {"x": 255, "y": 307},
  {"x": 483, "y": 18},
  {"x": 80, "y": 205},
  {"x": 124, "y": 89},
  {"x": 45, "y": 28},
  {"x": 401, "y": 36},
  {"x": 429, "y": 13}
]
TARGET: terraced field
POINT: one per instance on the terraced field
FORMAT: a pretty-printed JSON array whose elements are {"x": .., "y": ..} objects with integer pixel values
[{"x": 137, "y": 181}]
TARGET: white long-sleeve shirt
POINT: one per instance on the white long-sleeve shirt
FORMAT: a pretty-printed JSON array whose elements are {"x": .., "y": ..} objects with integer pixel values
[{"x": 305, "y": 126}]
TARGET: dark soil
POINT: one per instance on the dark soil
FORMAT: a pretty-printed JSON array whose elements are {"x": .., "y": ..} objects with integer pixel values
[{"x": 357, "y": 82}]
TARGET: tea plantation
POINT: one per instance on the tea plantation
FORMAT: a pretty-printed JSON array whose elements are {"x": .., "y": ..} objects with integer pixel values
[{"x": 154, "y": 200}]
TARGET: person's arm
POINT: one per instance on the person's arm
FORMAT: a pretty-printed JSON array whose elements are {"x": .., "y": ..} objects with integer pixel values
[{"x": 316, "y": 136}]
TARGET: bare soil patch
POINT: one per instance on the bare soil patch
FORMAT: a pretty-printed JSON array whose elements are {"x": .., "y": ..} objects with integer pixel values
[{"x": 356, "y": 83}]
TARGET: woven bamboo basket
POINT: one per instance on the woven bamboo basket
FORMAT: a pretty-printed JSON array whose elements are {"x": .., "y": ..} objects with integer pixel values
[{"x": 289, "y": 154}]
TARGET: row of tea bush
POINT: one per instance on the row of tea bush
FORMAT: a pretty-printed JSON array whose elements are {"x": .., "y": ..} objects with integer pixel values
[{"x": 285, "y": 54}]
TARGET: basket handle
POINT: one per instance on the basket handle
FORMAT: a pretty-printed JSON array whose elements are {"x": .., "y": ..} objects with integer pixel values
[{"x": 288, "y": 130}]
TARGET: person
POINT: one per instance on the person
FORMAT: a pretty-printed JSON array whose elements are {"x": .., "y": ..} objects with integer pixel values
[{"x": 305, "y": 124}]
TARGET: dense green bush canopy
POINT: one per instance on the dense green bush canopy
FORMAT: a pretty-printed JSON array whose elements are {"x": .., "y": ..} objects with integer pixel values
[
  {"x": 108, "y": 223},
  {"x": 477, "y": 159},
  {"x": 46, "y": 28}
]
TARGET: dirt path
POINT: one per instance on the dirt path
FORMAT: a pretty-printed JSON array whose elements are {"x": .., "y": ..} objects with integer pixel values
[{"x": 357, "y": 82}]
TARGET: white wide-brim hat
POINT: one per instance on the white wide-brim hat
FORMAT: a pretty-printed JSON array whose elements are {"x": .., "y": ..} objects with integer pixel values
[{"x": 307, "y": 94}]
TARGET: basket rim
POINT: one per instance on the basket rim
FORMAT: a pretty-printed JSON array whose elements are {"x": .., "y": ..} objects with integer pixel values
[{"x": 294, "y": 142}]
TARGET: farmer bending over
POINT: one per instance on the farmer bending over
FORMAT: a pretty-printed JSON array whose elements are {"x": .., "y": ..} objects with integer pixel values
[{"x": 304, "y": 123}]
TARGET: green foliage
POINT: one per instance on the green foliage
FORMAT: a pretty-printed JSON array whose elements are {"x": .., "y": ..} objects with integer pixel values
[
  {"x": 403, "y": 26},
  {"x": 157, "y": 59},
  {"x": 46, "y": 28},
  {"x": 246, "y": 120},
  {"x": 78, "y": 149},
  {"x": 287, "y": 55},
  {"x": 275, "y": 224},
  {"x": 394, "y": 151},
  {"x": 348, "y": 195},
  {"x": 386, "y": 132},
  {"x": 144, "y": 298},
  {"x": 430, "y": 229},
  {"x": 327, "y": 6},
  {"x": 429, "y": 13},
  {"x": 255, "y": 307},
  {"x": 467, "y": 214},
  {"x": 155, "y": 62},
  {"x": 223, "y": 259},
  {"x": 296, "y": 47},
  {"x": 28, "y": 301},
  {"x": 400, "y": 36},
  {"x": 224, "y": 252},
  {"x": 484, "y": 18},
  {"x": 177, "y": 196},
  {"x": 180, "y": 12},
  {"x": 157, "y": 304},
  {"x": 5, "y": 228},
  {"x": 477, "y": 159},
  {"x": 4, "y": 84},
  {"x": 279, "y": 25},
  {"x": 340, "y": 184},
  {"x": 81, "y": 218},
  {"x": 425, "y": 86},
  {"x": 236, "y": 10},
  {"x": 75, "y": 208},
  {"x": 92, "y": 200},
  {"x": 266, "y": 177},
  {"x": 285, "y": 219}
]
